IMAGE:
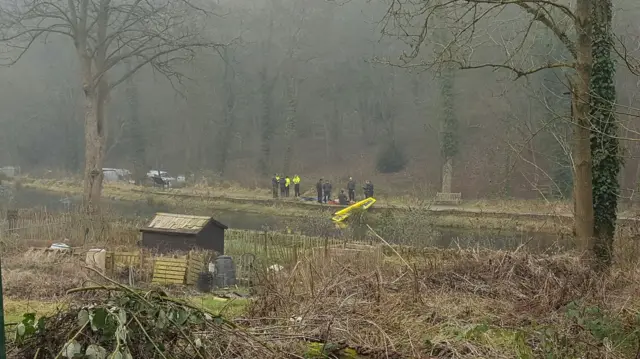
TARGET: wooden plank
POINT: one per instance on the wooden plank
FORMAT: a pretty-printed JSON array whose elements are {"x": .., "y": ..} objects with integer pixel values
[
  {"x": 195, "y": 270},
  {"x": 169, "y": 276},
  {"x": 167, "y": 259},
  {"x": 167, "y": 281},
  {"x": 172, "y": 265},
  {"x": 167, "y": 269},
  {"x": 169, "y": 273},
  {"x": 160, "y": 273},
  {"x": 169, "y": 264}
]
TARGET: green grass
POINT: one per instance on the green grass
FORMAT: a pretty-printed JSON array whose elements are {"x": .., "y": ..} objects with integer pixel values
[
  {"x": 14, "y": 310},
  {"x": 229, "y": 308}
]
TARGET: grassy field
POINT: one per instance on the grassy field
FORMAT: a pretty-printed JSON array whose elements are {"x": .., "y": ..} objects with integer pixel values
[{"x": 124, "y": 191}]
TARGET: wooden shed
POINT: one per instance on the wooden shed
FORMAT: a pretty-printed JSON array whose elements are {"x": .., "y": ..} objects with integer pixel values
[{"x": 169, "y": 232}]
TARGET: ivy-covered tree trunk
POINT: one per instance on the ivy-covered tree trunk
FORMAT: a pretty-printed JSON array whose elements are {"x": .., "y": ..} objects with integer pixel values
[
  {"x": 266, "y": 124},
  {"x": 581, "y": 151},
  {"x": 604, "y": 143},
  {"x": 290, "y": 126},
  {"x": 449, "y": 134}
]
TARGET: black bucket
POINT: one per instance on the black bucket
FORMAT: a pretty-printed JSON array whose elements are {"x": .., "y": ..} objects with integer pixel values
[{"x": 205, "y": 282}]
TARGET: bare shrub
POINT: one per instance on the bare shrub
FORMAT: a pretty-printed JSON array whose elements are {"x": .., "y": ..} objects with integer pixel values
[
  {"x": 41, "y": 275},
  {"x": 389, "y": 306}
]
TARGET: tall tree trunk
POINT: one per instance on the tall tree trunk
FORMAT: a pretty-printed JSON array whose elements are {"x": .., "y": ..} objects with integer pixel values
[
  {"x": 96, "y": 90},
  {"x": 335, "y": 124},
  {"x": 137, "y": 140},
  {"x": 95, "y": 140},
  {"x": 604, "y": 141},
  {"x": 582, "y": 195},
  {"x": 225, "y": 133},
  {"x": 449, "y": 126},
  {"x": 266, "y": 125},
  {"x": 292, "y": 118}
]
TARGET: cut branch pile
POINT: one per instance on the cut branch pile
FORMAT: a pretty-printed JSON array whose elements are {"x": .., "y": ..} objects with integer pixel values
[{"x": 132, "y": 324}]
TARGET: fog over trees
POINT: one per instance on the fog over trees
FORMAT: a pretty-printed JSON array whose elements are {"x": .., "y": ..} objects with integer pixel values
[{"x": 238, "y": 90}]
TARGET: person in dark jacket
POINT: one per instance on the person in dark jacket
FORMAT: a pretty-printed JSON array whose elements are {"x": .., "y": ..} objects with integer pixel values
[
  {"x": 368, "y": 189},
  {"x": 274, "y": 185},
  {"x": 283, "y": 187},
  {"x": 351, "y": 187},
  {"x": 319, "y": 190},
  {"x": 342, "y": 198},
  {"x": 326, "y": 189}
]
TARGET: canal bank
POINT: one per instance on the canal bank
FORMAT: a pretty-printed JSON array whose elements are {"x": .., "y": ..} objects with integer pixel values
[
  {"x": 391, "y": 224},
  {"x": 523, "y": 218}
]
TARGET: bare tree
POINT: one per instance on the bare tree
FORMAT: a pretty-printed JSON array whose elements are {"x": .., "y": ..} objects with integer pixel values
[
  {"x": 105, "y": 33},
  {"x": 225, "y": 133},
  {"x": 572, "y": 25}
]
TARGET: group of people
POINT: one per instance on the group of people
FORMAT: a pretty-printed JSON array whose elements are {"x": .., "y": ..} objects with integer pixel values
[
  {"x": 280, "y": 187},
  {"x": 323, "y": 189},
  {"x": 284, "y": 185}
]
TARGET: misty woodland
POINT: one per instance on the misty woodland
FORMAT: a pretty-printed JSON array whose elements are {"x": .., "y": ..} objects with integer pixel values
[{"x": 346, "y": 179}]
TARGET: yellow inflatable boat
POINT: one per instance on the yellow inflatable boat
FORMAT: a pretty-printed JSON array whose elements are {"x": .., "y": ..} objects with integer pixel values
[{"x": 343, "y": 214}]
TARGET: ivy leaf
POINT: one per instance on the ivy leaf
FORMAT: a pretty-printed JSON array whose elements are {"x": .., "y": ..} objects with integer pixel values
[
  {"x": 121, "y": 333},
  {"x": 28, "y": 318},
  {"x": 71, "y": 349},
  {"x": 116, "y": 355},
  {"x": 20, "y": 329},
  {"x": 181, "y": 316},
  {"x": 96, "y": 352},
  {"x": 83, "y": 317},
  {"x": 99, "y": 319},
  {"x": 122, "y": 316},
  {"x": 161, "y": 322},
  {"x": 41, "y": 323}
]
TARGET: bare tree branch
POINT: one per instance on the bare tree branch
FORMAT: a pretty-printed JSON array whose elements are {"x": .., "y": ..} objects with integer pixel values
[
  {"x": 106, "y": 34},
  {"x": 414, "y": 21}
]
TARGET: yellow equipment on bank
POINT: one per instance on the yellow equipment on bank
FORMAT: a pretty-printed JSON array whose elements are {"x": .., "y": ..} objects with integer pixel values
[{"x": 343, "y": 214}]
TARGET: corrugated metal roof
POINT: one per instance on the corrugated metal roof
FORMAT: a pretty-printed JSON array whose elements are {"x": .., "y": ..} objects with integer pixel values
[{"x": 182, "y": 223}]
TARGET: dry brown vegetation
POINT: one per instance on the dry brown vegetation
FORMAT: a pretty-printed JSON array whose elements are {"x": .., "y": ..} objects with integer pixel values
[
  {"x": 378, "y": 301},
  {"x": 35, "y": 275},
  {"x": 455, "y": 304}
]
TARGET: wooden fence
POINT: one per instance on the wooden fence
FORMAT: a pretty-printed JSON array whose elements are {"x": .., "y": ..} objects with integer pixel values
[
  {"x": 281, "y": 248},
  {"x": 169, "y": 270},
  {"x": 179, "y": 270}
]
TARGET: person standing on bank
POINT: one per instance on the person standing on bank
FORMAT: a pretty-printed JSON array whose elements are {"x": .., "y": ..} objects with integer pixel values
[
  {"x": 319, "y": 190},
  {"x": 296, "y": 186},
  {"x": 326, "y": 188},
  {"x": 287, "y": 186},
  {"x": 283, "y": 187},
  {"x": 274, "y": 185},
  {"x": 351, "y": 187}
]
